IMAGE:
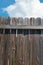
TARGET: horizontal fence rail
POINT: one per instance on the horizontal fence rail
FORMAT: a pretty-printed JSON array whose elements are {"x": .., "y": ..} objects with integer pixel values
[
  {"x": 21, "y": 41},
  {"x": 21, "y": 23}
]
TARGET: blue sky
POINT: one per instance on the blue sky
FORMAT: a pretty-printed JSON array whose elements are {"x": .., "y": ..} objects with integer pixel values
[
  {"x": 41, "y": 1},
  {"x": 5, "y": 3}
]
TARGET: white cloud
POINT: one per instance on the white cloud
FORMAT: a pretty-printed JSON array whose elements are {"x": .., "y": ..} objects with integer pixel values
[{"x": 25, "y": 8}]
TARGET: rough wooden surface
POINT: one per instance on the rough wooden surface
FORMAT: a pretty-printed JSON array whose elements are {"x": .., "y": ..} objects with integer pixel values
[
  {"x": 1, "y": 21},
  {"x": 21, "y": 23},
  {"x": 12, "y": 48},
  {"x": 41, "y": 41},
  {"x": 19, "y": 48},
  {"x": 31, "y": 49},
  {"x": 21, "y": 41},
  {"x": 7, "y": 21},
  {"x": 1, "y": 50},
  {"x": 22, "y": 48},
  {"x": 37, "y": 50}
]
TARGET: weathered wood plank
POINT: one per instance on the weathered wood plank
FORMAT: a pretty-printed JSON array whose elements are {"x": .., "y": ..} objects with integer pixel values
[
  {"x": 31, "y": 49},
  {"x": 37, "y": 50},
  {"x": 38, "y": 21},
  {"x": 20, "y": 27},
  {"x": 41, "y": 47},
  {"x": 26, "y": 47},
  {"x": 16, "y": 47},
  {"x": 7, "y": 45},
  {"x": 7, "y": 42},
  {"x": 26, "y": 21},
  {"x": 12, "y": 48},
  {"x": 20, "y": 21},
  {"x": 7, "y": 21},
  {"x": 19, "y": 48},
  {"x": 14, "y": 21},
  {"x": 32, "y": 20},
  {"x": 1, "y": 48},
  {"x": 1, "y": 21},
  {"x": 42, "y": 22},
  {"x": 22, "y": 48},
  {"x": 3, "y": 43}
]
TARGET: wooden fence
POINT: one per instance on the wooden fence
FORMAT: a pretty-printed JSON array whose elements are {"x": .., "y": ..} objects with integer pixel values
[{"x": 21, "y": 41}]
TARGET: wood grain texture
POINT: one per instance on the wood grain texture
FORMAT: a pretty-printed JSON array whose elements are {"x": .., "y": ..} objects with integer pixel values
[
  {"x": 37, "y": 50},
  {"x": 26, "y": 48},
  {"x": 19, "y": 49},
  {"x": 42, "y": 22},
  {"x": 31, "y": 49},
  {"x": 20, "y": 21},
  {"x": 14, "y": 21},
  {"x": 1, "y": 20},
  {"x": 38, "y": 21},
  {"x": 7, "y": 21},
  {"x": 1, "y": 50},
  {"x": 32, "y": 21},
  {"x": 41, "y": 47},
  {"x": 12, "y": 49},
  {"x": 26, "y": 21},
  {"x": 7, "y": 44},
  {"x": 22, "y": 41}
]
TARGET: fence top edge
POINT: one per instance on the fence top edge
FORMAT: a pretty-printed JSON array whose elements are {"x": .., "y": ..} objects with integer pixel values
[{"x": 21, "y": 17}]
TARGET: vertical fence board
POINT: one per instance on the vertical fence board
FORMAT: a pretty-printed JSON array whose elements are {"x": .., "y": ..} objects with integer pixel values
[
  {"x": 20, "y": 21},
  {"x": 42, "y": 22},
  {"x": 14, "y": 21},
  {"x": 38, "y": 22},
  {"x": 19, "y": 48},
  {"x": 1, "y": 48},
  {"x": 1, "y": 21},
  {"x": 12, "y": 47},
  {"x": 37, "y": 50},
  {"x": 7, "y": 41},
  {"x": 7, "y": 21},
  {"x": 41, "y": 47},
  {"x": 32, "y": 20},
  {"x": 26, "y": 47},
  {"x": 31, "y": 49},
  {"x": 26, "y": 21},
  {"x": 1, "y": 41}
]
